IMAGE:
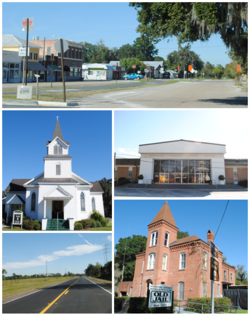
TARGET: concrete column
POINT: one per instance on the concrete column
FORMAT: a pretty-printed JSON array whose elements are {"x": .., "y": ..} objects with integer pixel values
[{"x": 44, "y": 208}]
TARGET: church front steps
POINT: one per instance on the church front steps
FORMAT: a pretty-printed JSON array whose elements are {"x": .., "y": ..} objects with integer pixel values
[{"x": 61, "y": 225}]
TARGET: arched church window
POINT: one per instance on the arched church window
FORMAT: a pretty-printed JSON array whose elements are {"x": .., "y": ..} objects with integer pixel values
[
  {"x": 33, "y": 202},
  {"x": 82, "y": 202},
  {"x": 93, "y": 204},
  {"x": 154, "y": 237},
  {"x": 58, "y": 169}
]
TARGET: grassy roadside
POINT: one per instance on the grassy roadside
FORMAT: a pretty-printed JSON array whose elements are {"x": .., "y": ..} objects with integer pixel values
[
  {"x": 98, "y": 279},
  {"x": 58, "y": 97},
  {"x": 14, "y": 287}
]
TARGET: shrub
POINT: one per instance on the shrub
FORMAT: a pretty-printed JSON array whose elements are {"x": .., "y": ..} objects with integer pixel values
[
  {"x": 140, "y": 176},
  {"x": 93, "y": 225},
  {"x": 104, "y": 223},
  {"x": 119, "y": 302},
  {"x": 243, "y": 183},
  {"x": 96, "y": 216},
  {"x": 107, "y": 219},
  {"x": 86, "y": 224},
  {"x": 138, "y": 305},
  {"x": 37, "y": 225},
  {"x": 123, "y": 181},
  {"x": 98, "y": 223},
  {"x": 28, "y": 224},
  {"x": 218, "y": 304},
  {"x": 78, "y": 226},
  {"x": 221, "y": 177}
]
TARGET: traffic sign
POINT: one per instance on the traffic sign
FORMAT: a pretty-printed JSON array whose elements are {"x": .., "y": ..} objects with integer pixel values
[
  {"x": 31, "y": 24},
  {"x": 134, "y": 66},
  {"x": 65, "y": 45},
  {"x": 175, "y": 70},
  {"x": 22, "y": 51}
]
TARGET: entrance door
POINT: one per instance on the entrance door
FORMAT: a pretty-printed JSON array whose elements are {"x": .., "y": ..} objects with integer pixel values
[{"x": 57, "y": 208}]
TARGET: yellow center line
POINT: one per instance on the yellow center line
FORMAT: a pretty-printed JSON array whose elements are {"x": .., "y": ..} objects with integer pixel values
[{"x": 50, "y": 304}]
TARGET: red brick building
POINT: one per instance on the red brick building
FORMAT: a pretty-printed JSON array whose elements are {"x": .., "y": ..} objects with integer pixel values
[
  {"x": 181, "y": 263},
  {"x": 72, "y": 59}
]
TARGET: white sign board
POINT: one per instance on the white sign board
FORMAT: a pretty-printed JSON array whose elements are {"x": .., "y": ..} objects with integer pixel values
[
  {"x": 160, "y": 296},
  {"x": 22, "y": 51},
  {"x": 31, "y": 24},
  {"x": 161, "y": 70},
  {"x": 24, "y": 92},
  {"x": 17, "y": 217},
  {"x": 65, "y": 45}
]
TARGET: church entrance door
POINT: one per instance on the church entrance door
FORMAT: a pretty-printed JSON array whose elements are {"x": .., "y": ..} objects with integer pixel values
[{"x": 57, "y": 208}]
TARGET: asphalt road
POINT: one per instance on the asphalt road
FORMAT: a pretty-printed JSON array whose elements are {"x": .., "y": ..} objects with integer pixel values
[{"x": 78, "y": 295}]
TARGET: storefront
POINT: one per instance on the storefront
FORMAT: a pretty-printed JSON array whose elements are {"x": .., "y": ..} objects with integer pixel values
[
  {"x": 11, "y": 70},
  {"x": 182, "y": 162}
]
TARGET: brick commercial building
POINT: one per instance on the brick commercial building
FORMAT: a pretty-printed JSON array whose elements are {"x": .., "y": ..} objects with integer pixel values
[
  {"x": 72, "y": 59},
  {"x": 182, "y": 263}
]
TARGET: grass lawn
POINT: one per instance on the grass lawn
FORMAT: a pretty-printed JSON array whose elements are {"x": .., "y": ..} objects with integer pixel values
[
  {"x": 13, "y": 287},
  {"x": 98, "y": 279},
  {"x": 238, "y": 312},
  {"x": 58, "y": 97},
  {"x": 103, "y": 228},
  {"x": 15, "y": 228}
]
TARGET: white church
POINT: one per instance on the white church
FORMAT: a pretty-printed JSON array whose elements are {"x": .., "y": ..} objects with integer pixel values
[{"x": 57, "y": 193}]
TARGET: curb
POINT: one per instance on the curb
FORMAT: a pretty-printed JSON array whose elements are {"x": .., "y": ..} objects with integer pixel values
[{"x": 42, "y": 103}]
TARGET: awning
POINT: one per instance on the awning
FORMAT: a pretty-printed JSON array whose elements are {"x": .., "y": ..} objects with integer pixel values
[
  {"x": 54, "y": 68},
  {"x": 36, "y": 66}
]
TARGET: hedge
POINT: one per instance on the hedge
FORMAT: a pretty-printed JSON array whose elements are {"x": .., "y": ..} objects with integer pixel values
[
  {"x": 123, "y": 181},
  {"x": 96, "y": 216},
  {"x": 119, "y": 302},
  {"x": 78, "y": 226},
  {"x": 218, "y": 304},
  {"x": 138, "y": 305},
  {"x": 243, "y": 183}
]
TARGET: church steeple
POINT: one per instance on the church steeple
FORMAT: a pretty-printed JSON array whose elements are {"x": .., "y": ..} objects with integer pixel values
[
  {"x": 165, "y": 214},
  {"x": 57, "y": 131}
]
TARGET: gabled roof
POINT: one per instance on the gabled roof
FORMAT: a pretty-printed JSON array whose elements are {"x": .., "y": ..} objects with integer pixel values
[
  {"x": 96, "y": 187},
  {"x": 164, "y": 214},
  {"x": 58, "y": 192},
  {"x": 181, "y": 140},
  {"x": 12, "y": 40},
  {"x": 57, "y": 131},
  {"x": 184, "y": 240},
  {"x": 17, "y": 185},
  {"x": 16, "y": 199}
]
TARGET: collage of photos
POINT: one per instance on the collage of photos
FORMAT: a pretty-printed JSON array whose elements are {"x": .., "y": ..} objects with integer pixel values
[{"x": 125, "y": 145}]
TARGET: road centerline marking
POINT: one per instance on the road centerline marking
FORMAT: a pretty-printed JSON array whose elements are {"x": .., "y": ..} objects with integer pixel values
[{"x": 53, "y": 302}]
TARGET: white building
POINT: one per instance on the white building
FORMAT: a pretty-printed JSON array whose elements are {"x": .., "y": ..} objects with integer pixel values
[
  {"x": 97, "y": 71},
  {"x": 182, "y": 162},
  {"x": 11, "y": 71},
  {"x": 57, "y": 193}
]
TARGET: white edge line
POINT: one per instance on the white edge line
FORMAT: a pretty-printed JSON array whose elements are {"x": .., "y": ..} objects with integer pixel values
[{"x": 99, "y": 286}]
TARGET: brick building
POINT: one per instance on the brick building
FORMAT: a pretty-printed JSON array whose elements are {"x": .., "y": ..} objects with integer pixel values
[
  {"x": 182, "y": 263},
  {"x": 72, "y": 59},
  {"x": 128, "y": 168},
  {"x": 236, "y": 170}
]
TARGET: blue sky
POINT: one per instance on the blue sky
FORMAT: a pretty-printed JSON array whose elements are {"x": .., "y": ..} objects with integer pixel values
[
  {"x": 25, "y": 134},
  {"x": 195, "y": 217},
  {"x": 228, "y": 127},
  {"x": 27, "y": 253},
  {"x": 115, "y": 23}
]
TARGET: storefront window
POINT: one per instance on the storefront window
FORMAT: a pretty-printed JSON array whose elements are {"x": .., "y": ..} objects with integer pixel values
[
  {"x": 16, "y": 74},
  {"x": 76, "y": 72},
  {"x": 182, "y": 171},
  {"x": 12, "y": 65},
  {"x": 71, "y": 72},
  {"x": 17, "y": 65},
  {"x": 5, "y": 65}
]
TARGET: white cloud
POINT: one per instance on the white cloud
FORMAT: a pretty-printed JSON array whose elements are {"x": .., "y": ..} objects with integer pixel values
[
  {"x": 75, "y": 250},
  {"x": 109, "y": 237},
  {"x": 80, "y": 235},
  {"x": 88, "y": 242},
  {"x": 127, "y": 152}
]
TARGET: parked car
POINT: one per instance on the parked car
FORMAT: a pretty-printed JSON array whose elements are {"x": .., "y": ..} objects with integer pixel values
[{"x": 133, "y": 76}]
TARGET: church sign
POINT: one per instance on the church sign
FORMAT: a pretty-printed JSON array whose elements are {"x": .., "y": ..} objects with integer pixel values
[
  {"x": 17, "y": 218},
  {"x": 160, "y": 296}
]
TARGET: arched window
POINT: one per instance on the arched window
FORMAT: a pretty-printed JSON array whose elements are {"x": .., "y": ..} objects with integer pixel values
[
  {"x": 82, "y": 202},
  {"x": 58, "y": 149},
  {"x": 33, "y": 202},
  {"x": 181, "y": 291},
  {"x": 182, "y": 261},
  {"x": 93, "y": 204},
  {"x": 154, "y": 237},
  {"x": 151, "y": 261},
  {"x": 58, "y": 169},
  {"x": 164, "y": 262}
]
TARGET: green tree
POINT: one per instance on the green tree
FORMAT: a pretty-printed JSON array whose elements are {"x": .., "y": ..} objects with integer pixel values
[
  {"x": 4, "y": 272},
  {"x": 3, "y": 194},
  {"x": 207, "y": 70},
  {"x": 191, "y": 21},
  {"x": 106, "y": 271},
  {"x": 158, "y": 58},
  {"x": 126, "y": 250},
  {"x": 107, "y": 195},
  {"x": 181, "y": 234},
  {"x": 241, "y": 273},
  {"x": 144, "y": 48},
  {"x": 127, "y": 63},
  {"x": 126, "y": 51},
  {"x": 230, "y": 70},
  {"x": 217, "y": 72}
]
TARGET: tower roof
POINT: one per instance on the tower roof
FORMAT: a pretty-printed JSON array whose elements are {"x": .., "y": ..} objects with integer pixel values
[
  {"x": 57, "y": 131},
  {"x": 165, "y": 214}
]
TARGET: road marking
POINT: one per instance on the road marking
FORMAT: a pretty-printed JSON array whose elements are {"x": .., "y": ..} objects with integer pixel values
[
  {"x": 98, "y": 286},
  {"x": 50, "y": 304}
]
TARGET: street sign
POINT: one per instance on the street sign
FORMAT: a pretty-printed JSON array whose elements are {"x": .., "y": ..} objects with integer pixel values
[
  {"x": 214, "y": 262},
  {"x": 31, "y": 24},
  {"x": 64, "y": 44},
  {"x": 190, "y": 68},
  {"x": 160, "y": 296},
  {"x": 238, "y": 68},
  {"x": 175, "y": 70},
  {"x": 22, "y": 51},
  {"x": 134, "y": 66}
]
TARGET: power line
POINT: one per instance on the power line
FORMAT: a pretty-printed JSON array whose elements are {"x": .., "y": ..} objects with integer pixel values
[{"x": 221, "y": 219}]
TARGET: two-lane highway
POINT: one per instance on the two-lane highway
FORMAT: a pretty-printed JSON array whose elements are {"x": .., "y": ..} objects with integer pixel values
[{"x": 78, "y": 295}]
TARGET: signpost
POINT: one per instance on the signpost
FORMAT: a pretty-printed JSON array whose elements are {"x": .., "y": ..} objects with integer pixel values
[
  {"x": 27, "y": 24},
  {"x": 214, "y": 270},
  {"x": 161, "y": 296},
  {"x": 17, "y": 218},
  {"x": 62, "y": 46},
  {"x": 22, "y": 53}
]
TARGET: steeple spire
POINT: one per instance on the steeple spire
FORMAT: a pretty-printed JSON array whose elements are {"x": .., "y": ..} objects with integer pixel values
[
  {"x": 165, "y": 214},
  {"x": 57, "y": 131}
]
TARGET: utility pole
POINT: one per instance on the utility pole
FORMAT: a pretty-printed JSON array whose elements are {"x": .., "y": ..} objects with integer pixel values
[
  {"x": 106, "y": 250},
  {"x": 46, "y": 270},
  {"x": 27, "y": 43},
  {"x": 124, "y": 257}
]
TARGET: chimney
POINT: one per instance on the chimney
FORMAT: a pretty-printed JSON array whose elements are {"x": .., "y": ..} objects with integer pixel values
[{"x": 210, "y": 236}]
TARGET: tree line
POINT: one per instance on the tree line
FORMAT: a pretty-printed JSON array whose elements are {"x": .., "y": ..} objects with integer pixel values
[
  {"x": 40, "y": 275},
  {"x": 99, "y": 271}
]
